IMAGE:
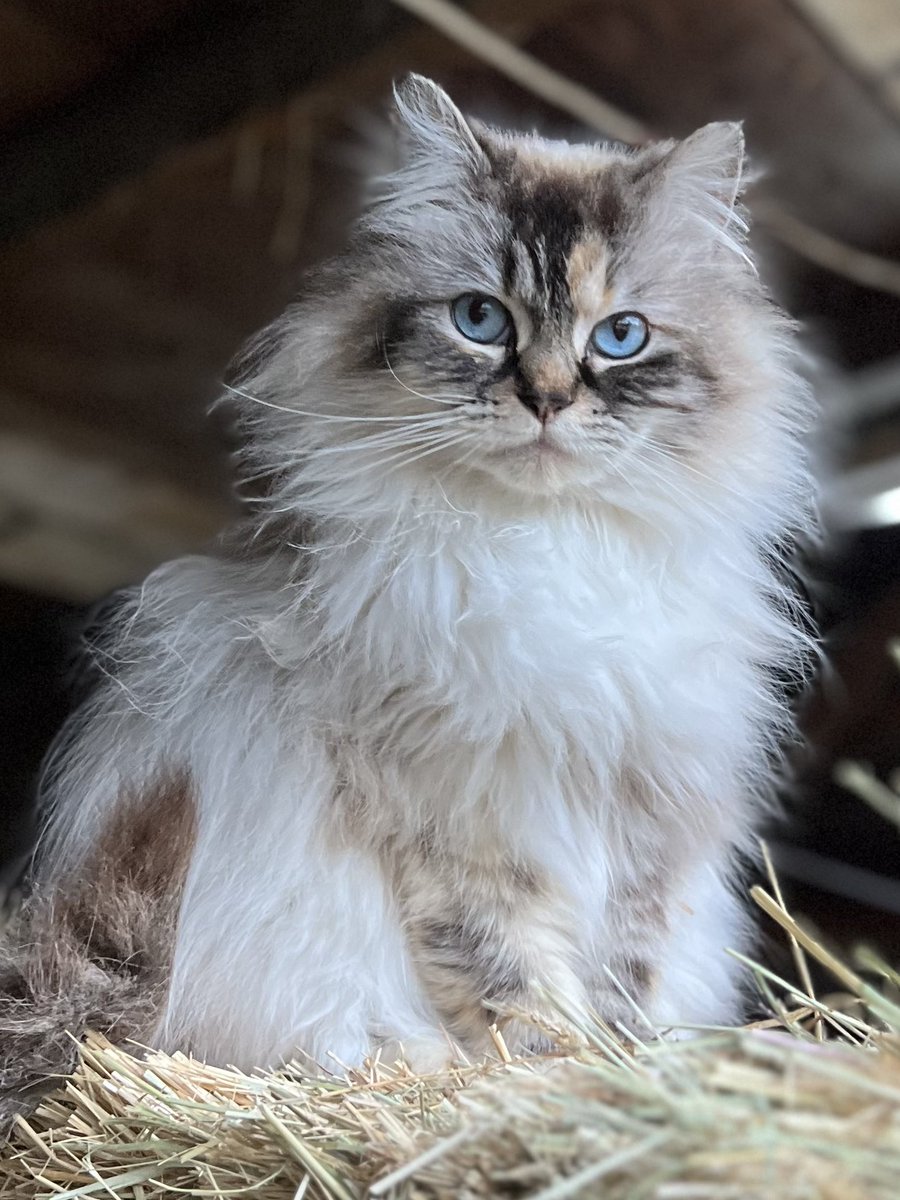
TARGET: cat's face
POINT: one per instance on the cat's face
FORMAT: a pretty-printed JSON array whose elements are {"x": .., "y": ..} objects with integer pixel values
[{"x": 551, "y": 316}]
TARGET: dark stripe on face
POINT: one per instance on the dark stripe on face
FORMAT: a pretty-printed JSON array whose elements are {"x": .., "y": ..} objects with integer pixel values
[
  {"x": 396, "y": 326},
  {"x": 408, "y": 340},
  {"x": 644, "y": 382},
  {"x": 547, "y": 217},
  {"x": 562, "y": 209},
  {"x": 508, "y": 367},
  {"x": 609, "y": 209},
  {"x": 509, "y": 267},
  {"x": 393, "y": 329},
  {"x": 537, "y": 269}
]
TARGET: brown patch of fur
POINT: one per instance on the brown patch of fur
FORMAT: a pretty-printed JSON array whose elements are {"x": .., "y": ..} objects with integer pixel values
[
  {"x": 638, "y": 976},
  {"x": 94, "y": 950}
]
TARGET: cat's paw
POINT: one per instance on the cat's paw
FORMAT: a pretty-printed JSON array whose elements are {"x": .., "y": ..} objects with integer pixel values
[
  {"x": 424, "y": 1054},
  {"x": 621, "y": 1016},
  {"x": 542, "y": 1035}
]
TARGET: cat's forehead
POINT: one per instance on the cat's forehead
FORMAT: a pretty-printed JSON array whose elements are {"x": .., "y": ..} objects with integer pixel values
[
  {"x": 563, "y": 208},
  {"x": 543, "y": 185}
]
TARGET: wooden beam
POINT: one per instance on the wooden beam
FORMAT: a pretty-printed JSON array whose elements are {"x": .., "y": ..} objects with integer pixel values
[
  {"x": 832, "y": 154},
  {"x": 76, "y": 523},
  {"x": 870, "y": 394},
  {"x": 50, "y": 48},
  {"x": 866, "y": 35}
]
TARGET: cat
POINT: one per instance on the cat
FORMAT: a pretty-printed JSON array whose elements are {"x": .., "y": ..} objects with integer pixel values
[{"x": 474, "y": 713}]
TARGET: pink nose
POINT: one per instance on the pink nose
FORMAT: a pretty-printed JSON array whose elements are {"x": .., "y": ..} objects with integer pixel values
[{"x": 547, "y": 405}]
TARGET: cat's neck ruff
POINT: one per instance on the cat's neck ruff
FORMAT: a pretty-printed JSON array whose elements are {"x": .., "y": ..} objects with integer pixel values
[
  {"x": 434, "y": 566},
  {"x": 526, "y": 653}
]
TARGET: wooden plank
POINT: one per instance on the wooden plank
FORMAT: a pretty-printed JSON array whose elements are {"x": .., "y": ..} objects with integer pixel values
[
  {"x": 38, "y": 64},
  {"x": 49, "y": 48}
]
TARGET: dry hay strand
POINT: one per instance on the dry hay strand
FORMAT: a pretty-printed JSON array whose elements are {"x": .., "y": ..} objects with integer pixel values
[
  {"x": 770, "y": 1112},
  {"x": 802, "y": 1105},
  {"x": 746, "y": 1114}
]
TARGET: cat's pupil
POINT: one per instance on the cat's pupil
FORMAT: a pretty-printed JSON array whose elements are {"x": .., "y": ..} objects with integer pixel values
[
  {"x": 479, "y": 311},
  {"x": 621, "y": 328}
]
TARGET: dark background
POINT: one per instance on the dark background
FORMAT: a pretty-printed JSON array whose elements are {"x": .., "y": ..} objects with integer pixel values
[{"x": 168, "y": 167}]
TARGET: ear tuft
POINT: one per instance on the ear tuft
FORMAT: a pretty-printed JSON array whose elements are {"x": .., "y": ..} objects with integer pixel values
[
  {"x": 711, "y": 160},
  {"x": 432, "y": 125}
]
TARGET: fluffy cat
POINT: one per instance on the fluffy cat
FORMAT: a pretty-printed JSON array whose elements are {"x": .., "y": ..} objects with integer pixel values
[{"x": 482, "y": 700}]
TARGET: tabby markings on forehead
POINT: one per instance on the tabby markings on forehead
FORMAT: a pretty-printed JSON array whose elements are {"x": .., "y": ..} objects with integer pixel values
[
  {"x": 587, "y": 278},
  {"x": 558, "y": 243},
  {"x": 545, "y": 217}
]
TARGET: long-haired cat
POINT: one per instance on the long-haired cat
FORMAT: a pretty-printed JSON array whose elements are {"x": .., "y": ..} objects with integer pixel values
[{"x": 479, "y": 705}]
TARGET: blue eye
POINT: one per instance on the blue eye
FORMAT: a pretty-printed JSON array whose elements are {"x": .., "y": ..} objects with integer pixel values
[
  {"x": 480, "y": 318},
  {"x": 621, "y": 336}
]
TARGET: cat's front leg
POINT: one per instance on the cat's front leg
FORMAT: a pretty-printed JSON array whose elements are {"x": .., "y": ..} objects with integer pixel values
[
  {"x": 665, "y": 964},
  {"x": 625, "y": 972},
  {"x": 492, "y": 944}
]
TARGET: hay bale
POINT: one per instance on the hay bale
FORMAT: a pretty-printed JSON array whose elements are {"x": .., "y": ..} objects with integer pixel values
[
  {"x": 754, "y": 1114},
  {"x": 803, "y": 1105}
]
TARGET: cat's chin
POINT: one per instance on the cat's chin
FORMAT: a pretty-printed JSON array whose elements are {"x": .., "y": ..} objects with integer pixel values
[{"x": 536, "y": 468}]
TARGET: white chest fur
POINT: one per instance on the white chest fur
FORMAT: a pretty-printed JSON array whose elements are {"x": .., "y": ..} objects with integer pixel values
[{"x": 521, "y": 670}]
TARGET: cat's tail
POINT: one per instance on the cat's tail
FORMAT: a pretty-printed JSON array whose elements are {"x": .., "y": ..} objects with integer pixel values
[
  {"x": 93, "y": 949},
  {"x": 65, "y": 969}
]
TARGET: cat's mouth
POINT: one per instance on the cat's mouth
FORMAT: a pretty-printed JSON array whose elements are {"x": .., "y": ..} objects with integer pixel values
[{"x": 540, "y": 448}]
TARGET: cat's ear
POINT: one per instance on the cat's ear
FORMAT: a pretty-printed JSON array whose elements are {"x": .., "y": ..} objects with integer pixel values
[
  {"x": 432, "y": 129},
  {"x": 708, "y": 167}
]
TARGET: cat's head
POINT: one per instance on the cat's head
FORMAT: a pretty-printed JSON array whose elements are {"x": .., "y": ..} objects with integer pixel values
[{"x": 543, "y": 317}]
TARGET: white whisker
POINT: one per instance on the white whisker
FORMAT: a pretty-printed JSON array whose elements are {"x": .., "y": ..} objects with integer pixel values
[
  {"x": 319, "y": 416},
  {"x": 665, "y": 453},
  {"x": 402, "y": 461},
  {"x": 444, "y": 398},
  {"x": 410, "y": 438},
  {"x": 691, "y": 498}
]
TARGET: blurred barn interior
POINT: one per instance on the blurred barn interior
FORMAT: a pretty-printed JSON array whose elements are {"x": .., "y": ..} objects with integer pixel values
[{"x": 169, "y": 166}]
